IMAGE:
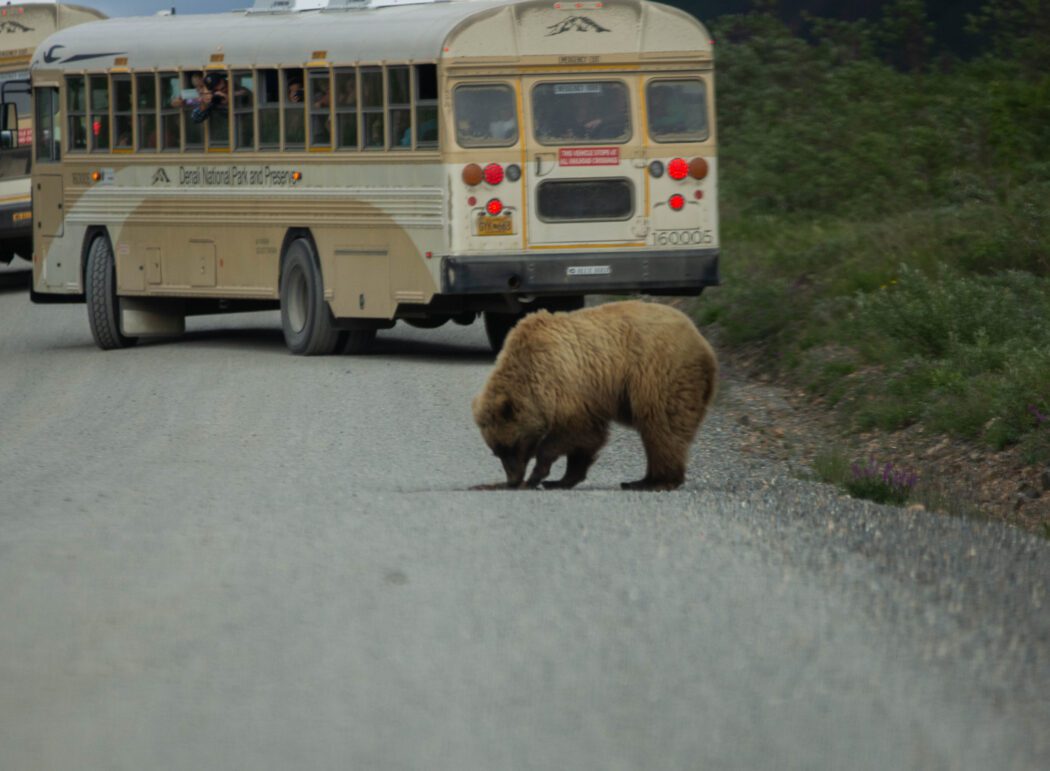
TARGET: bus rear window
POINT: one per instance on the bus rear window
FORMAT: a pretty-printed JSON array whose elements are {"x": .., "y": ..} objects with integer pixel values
[
  {"x": 485, "y": 116},
  {"x": 576, "y": 112},
  {"x": 677, "y": 110}
]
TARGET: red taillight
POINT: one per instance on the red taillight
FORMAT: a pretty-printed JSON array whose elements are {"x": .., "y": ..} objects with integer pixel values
[
  {"x": 494, "y": 207},
  {"x": 676, "y": 202},
  {"x": 678, "y": 168},
  {"x": 493, "y": 173}
]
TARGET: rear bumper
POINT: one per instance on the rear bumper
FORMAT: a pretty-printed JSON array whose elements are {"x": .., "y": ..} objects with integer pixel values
[{"x": 684, "y": 271}]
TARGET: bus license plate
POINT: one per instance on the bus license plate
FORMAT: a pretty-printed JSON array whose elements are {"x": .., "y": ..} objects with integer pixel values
[{"x": 495, "y": 226}]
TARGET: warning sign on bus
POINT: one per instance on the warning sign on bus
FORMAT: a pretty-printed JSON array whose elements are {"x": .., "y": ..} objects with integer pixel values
[{"x": 589, "y": 156}]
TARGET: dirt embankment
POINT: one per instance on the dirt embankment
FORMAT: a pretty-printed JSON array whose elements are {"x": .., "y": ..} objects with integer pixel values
[{"x": 956, "y": 477}]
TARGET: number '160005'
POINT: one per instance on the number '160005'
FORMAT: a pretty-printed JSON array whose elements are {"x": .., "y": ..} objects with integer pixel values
[{"x": 682, "y": 237}]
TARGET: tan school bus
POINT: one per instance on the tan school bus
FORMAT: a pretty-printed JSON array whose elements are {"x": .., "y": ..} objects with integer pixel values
[
  {"x": 364, "y": 162},
  {"x": 22, "y": 27}
]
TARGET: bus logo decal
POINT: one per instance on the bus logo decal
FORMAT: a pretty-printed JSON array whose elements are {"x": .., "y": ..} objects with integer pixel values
[
  {"x": 161, "y": 176},
  {"x": 13, "y": 26},
  {"x": 49, "y": 56},
  {"x": 575, "y": 23}
]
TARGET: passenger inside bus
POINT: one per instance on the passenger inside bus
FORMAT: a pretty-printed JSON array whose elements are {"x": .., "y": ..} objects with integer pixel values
[{"x": 505, "y": 126}]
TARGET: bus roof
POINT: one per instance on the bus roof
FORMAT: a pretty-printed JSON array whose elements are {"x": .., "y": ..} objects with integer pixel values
[{"x": 347, "y": 32}]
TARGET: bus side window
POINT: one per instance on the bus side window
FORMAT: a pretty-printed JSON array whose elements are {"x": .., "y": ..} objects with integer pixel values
[
  {"x": 122, "y": 132},
  {"x": 169, "y": 111},
  {"x": 99, "y": 111},
  {"x": 320, "y": 108},
  {"x": 346, "y": 108},
  {"x": 269, "y": 99},
  {"x": 372, "y": 107},
  {"x": 146, "y": 111},
  {"x": 192, "y": 82},
  {"x": 48, "y": 120},
  {"x": 294, "y": 108},
  {"x": 399, "y": 107},
  {"x": 76, "y": 110},
  {"x": 218, "y": 120},
  {"x": 426, "y": 105},
  {"x": 243, "y": 103}
]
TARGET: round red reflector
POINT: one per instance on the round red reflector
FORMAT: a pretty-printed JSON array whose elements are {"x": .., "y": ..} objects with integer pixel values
[
  {"x": 676, "y": 202},
  {"x": 495, "y": 206},
  {"x": 698, "y": 168},
  {"x": 472, "y": 174},
  {"x": 493, "y": 173},
  {"x": 678, "y": 168},
  {"x": 471, "y": 201}
]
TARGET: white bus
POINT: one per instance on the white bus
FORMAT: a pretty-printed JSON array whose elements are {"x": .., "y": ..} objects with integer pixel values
[
  {"x": 373, "y": 160},
  {"x": 22, "y": 27}
]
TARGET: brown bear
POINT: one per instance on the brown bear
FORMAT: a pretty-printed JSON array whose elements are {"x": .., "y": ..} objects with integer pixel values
[{"x": 562, "y": 377}]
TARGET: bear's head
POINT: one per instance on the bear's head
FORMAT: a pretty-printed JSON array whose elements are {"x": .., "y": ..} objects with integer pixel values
[{"x": 511, "y": 427}]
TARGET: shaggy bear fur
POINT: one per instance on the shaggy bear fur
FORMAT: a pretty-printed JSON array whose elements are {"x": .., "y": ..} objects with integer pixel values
[{"x": 562, "y": 377}]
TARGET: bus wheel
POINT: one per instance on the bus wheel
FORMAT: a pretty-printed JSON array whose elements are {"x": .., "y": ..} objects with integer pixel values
[
  {"x": 305, "y": 316},
  {"x": 358, "y": 341},
  {"x": 100, "y": 295},
  {"x": 498, "y": 326}
]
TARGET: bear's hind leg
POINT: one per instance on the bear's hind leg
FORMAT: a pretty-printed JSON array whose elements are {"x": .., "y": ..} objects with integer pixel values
[{"x": 665, "y": 456}]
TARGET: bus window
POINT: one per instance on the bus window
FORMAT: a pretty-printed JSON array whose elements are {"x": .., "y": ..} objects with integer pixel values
[
  {"x": 48, "y": 119},
  {"x": 269, "y": 109},
  {"x": 192, "y": 83},
  {"x": 76, "y": 109},
  {"x": 346, "y": 108},
  {"x": 169, "y": 110},
  {"x": 99, "y": 112},
  {"x": 426, "y": 105},
  {"x": 243, "y": 103},
  {"x": 218, "y": 120},
  {"x": 578, "y": 112},
  {"x": 146, "y": 111},
  {"x": 122, "y": 131},
  {"x": 372, "y": 107},
  {"x": 320, "y": 108},
  {"x": 294, "y": 109},
  {"x": 485, "y": 116},
  {"x": 399, "y": 106},
  {"x": 677, "y": 110},
  {"x": 16, "y": 115}
]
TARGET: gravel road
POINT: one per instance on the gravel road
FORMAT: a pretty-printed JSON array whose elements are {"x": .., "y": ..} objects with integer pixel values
[{"x": 217, "y": 555}]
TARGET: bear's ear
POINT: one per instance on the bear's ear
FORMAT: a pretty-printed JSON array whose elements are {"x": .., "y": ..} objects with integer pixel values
[{"x": 507, "y": 410}]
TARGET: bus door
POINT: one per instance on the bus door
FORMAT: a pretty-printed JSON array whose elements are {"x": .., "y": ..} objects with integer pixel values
[{"x": 585, "y": 162}]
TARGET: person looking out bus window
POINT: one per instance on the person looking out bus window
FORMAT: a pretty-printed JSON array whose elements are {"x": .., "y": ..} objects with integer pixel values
[{"x": 187, "y": 97}]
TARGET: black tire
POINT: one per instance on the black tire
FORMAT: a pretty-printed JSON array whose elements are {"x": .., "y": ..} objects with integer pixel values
[
  {"x": 100, "y": 295},
  {"x": 358, "y": 341},
  {"x": 306, "y": 318},
  {"x": 498, "y": 326}
]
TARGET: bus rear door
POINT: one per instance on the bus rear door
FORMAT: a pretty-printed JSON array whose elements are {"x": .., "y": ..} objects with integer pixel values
[{"x": 585, "y": 163}]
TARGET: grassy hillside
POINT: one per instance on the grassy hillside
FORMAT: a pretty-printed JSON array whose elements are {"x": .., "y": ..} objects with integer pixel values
[{"x": 886, "y": 217}]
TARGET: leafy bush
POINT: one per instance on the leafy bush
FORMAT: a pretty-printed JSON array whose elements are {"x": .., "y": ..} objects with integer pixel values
[{"x": 892, "y": 212}]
